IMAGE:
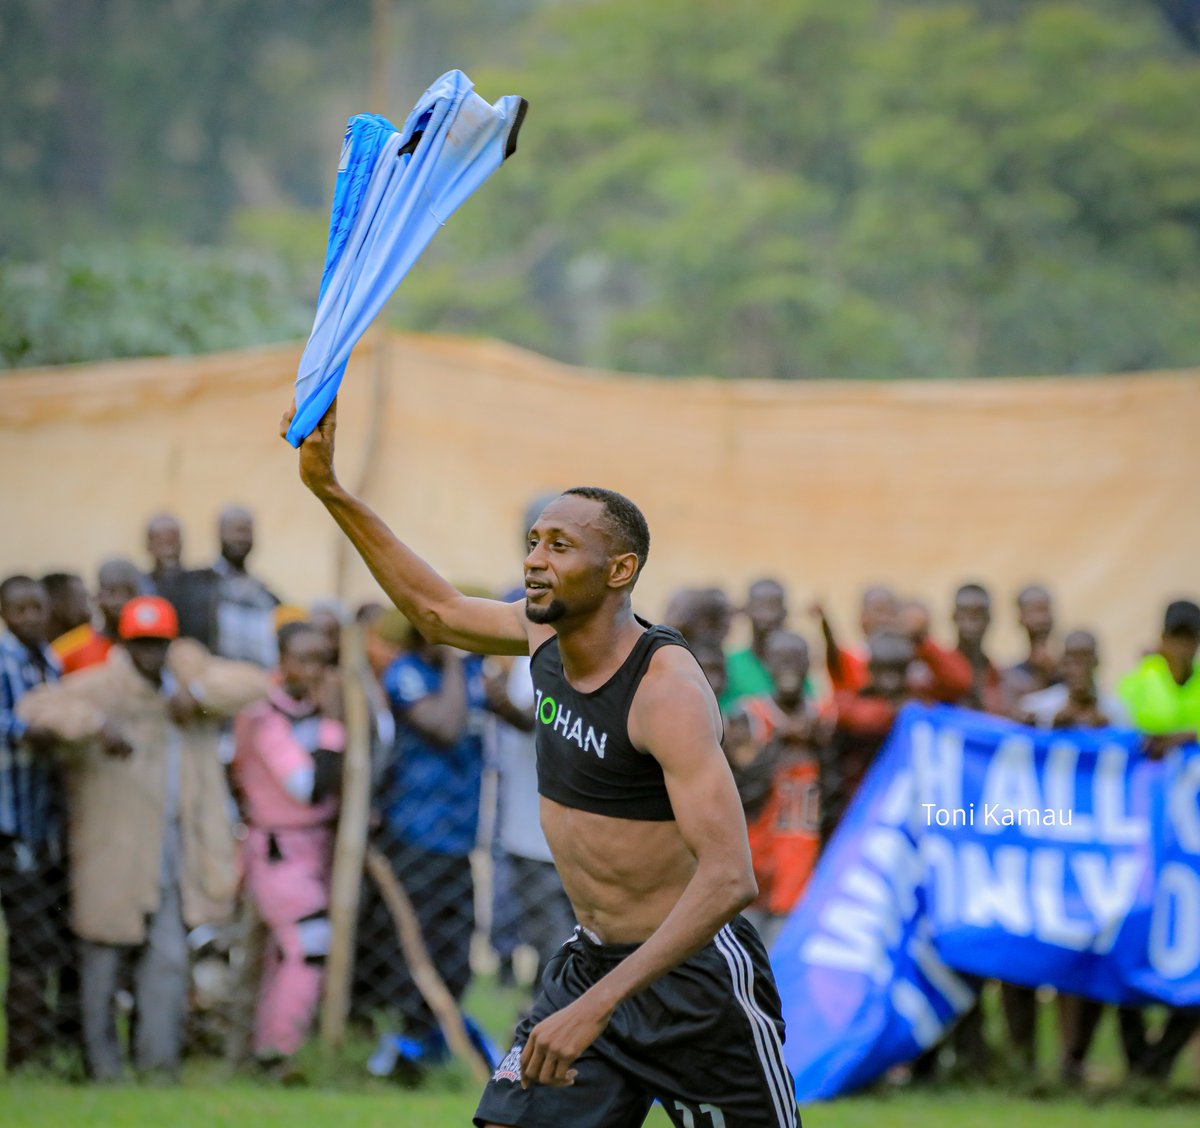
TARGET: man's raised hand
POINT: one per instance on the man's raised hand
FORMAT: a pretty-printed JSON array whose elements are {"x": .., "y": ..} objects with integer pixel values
[{"x": 316, "y": 451}]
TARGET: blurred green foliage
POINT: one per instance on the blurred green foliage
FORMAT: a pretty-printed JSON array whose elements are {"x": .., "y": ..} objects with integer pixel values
[{"x": 798, "y": 188}]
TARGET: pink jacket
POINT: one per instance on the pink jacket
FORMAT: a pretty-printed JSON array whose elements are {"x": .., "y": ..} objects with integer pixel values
[{"x": 273, "y": 762}]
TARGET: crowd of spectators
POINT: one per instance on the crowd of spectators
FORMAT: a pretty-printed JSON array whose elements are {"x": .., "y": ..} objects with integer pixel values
[{"x": 170, "y": 755}]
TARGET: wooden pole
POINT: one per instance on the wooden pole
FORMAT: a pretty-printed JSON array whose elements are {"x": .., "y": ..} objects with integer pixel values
[
  {"x": 433, "y": 989},
  {"x": 351, "y": 842}
]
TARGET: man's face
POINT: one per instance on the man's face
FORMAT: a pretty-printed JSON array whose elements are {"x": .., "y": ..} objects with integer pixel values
[
  {"x": 567, "y": 569},
  {"x": 149, "y": 655},
  {"x": 890, "y": 657},
  {"x": 972, "y": 616},
  {"x": 1036, "y": 614},
  {"x": 788, "y": 664},
  {"x": 1079, "y": 662},
  {"x": 303, "y": 663},
  {"x": 1181, "y": 648},
  {"x": 766, "y": 608},
  {"x": 75, "y": 607},
  {"x": 26, "y": 613},
  {"x": 879, "y": 611},
  {"x": 237, "y": 538},
  {"x": 164, "y": 542},
  {"x": 111, "y": 597}
]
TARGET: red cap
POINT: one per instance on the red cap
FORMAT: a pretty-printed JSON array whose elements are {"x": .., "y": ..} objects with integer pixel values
[{"x": 148, "y": 616}]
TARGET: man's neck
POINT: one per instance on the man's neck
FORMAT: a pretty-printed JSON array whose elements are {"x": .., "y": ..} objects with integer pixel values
[
  {"x": 594, "y": 650},
  {"x": 240, "y": 569},
  {"x": 973, "y": 652}
]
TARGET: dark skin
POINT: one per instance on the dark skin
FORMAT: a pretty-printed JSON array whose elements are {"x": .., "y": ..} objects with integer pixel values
[
  {"x": 1080, "y": 662},
  {"x": 71, "y": 609},
  {"x": 236, "y": 531},
  {"x": 25, "y": 611},
  {"x": 766, "y": 608},
  {"x": 669, "y": 886},
  {"x": 972, "y": 617},
  {"x": 119, "y": 583},
  {"x": 164, "y": 543}
]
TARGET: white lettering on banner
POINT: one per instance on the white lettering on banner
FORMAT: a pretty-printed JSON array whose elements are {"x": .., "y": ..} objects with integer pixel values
[
  {"x": 937, "y": 756},
  {"x": 862, "y": 925},
  {"x": 1023, "y": 890},
  {"x": 938, "y": 855},
  {"x": 1175, "y": 925},
  {"x": 996, "y": 891},
  {"x": 1047, "y": 888},
  {"x": 892, "y": 854},
  {"x": 910, "y": 1002},
  {"x": 1062, "y": 762},
  {"x": 1183, "y": 805},
  {"x": 1114, "y": 824},
  {"x": 1109, "y": 887},
  {"x": 1011, "y": 782}
]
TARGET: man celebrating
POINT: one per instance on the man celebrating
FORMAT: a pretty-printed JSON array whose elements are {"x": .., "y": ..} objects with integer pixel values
[{"x": 663, "y": 978}]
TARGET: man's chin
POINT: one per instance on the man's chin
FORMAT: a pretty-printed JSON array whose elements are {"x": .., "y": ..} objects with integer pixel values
[{"x": 551, "y": 613}]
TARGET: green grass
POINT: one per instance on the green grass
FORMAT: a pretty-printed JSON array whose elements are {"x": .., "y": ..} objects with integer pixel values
[
  {"x": 333, "y": 1092},
  {"x": 33, "y": 1104}
]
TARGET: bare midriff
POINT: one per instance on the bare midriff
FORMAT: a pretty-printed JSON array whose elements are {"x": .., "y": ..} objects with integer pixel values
[{"x": 623, "y": 876}]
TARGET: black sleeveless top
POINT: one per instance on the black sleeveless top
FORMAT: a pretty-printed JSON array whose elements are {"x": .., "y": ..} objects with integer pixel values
[{"x": 585, "y": 759}]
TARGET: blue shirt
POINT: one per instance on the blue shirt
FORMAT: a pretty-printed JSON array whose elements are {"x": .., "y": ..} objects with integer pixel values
[
  {"x": 431, "y": 793},
  {"x": 29, "y": 799}
]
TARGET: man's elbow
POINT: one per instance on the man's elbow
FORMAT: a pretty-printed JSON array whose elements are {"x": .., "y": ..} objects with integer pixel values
[{"x": 740, "y": 888}]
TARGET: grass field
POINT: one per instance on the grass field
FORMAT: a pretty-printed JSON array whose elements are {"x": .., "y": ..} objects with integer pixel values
[
  {"x": 338, "y": 1093},
  {"x": 29, "y": 1104}
]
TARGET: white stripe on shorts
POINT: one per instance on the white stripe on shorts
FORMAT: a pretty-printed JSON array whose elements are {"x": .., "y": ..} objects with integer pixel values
[{"x": 766, "y": 1038}]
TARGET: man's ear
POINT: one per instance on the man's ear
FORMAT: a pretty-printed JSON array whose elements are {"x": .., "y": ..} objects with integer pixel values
[{"x": 622, "y": 570}]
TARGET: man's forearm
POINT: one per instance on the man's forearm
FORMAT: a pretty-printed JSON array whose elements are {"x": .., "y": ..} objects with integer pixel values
[{"x": 411, "y": 584}]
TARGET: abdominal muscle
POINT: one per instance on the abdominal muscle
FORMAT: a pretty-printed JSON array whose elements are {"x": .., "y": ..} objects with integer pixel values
[{"x": 623, "y": 876}]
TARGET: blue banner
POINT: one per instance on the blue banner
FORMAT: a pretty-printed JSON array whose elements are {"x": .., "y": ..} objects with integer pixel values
[{"x": 978, "y": 847}]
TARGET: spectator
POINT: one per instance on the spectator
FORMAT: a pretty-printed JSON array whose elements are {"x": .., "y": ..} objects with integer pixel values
[
  {"x": 1073, "y": 703},
  {"x": 863, "y": 721},
  {"x": 541, "y": 913},
  {"x": 989, "y": 691},
  {"x": 287, "y": 767},
  {"x": 1076, "y": 700},
  {"x": 935, "y": 673},
  {"x": 431, "y": 814},
  {"x": 245, "y": 606},
  {"x": 796, "y": 737},
  {"x": 86, "y": 646},
  {"x": 69, "y": 603},
  {"x": 328, "y": 617},
  {"x": 1040, "y": 669},
  {"x": 164, "y": 545},
  {"x": 701, "y": 615},
  {"x": 848, "y": 668},
  {"x": 152, "y": 851},
  {"x": 746, "y": 670},
  {"x": 31, "y": 880},
  {"x": 1162, "y": 694}
]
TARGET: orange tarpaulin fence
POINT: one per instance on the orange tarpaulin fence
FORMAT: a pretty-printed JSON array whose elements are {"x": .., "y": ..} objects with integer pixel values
[{"x": 1087, "y": 484}]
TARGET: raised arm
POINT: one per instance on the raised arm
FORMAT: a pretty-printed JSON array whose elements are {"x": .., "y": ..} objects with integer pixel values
[
  {"x": 437, "y": 609},
  {"x": 675, "y": 718}
]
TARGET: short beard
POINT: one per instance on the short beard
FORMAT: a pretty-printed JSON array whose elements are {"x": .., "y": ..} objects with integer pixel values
[{"x": 544, "y": 615}]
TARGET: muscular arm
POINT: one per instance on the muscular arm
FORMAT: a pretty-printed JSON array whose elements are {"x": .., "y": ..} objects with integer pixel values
[
  {"x": 438, "y": 610},
  {"x": 674, "y": 717}
]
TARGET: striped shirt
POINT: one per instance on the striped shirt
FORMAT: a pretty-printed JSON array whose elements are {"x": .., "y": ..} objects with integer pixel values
[{"x": 29, "y": 800}]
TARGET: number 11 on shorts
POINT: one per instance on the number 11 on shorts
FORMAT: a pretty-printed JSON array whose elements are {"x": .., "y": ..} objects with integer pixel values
[{"x": 715, "y": 1119}]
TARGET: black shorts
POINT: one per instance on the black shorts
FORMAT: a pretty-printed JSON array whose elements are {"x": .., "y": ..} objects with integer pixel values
[{"x": 706, "y": 1040}]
